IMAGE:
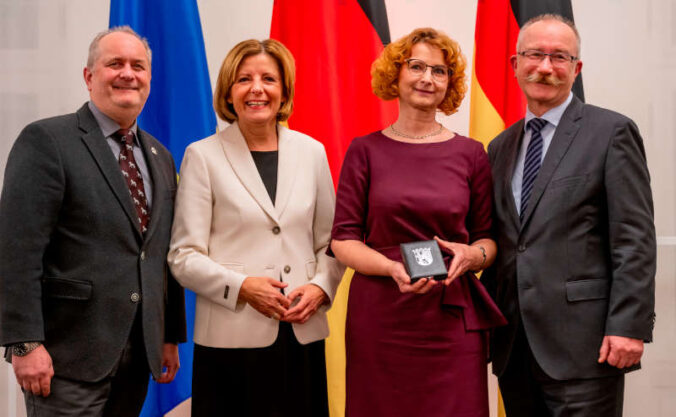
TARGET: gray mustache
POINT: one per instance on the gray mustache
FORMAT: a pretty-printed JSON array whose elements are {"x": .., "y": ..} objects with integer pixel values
[{"x": 549, "y": 79}]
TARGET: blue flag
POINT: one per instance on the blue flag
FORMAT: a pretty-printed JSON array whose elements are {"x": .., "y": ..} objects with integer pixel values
[{"x": 178, "y": 112}]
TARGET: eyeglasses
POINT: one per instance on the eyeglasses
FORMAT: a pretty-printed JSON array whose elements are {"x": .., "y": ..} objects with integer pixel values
[
  {"x": 556, "y": 58},
  {"x": 418, "y": 67}
]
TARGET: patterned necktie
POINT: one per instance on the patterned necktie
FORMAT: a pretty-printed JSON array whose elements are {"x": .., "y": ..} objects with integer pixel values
[
  {"x": 133, "y": 177},
  {"x": 531, "y": 165}
]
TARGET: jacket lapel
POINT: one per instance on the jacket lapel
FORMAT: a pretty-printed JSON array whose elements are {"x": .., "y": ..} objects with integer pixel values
[
  {"x": 512, "y": 151},
  {"x": 286, "y": 169},
  {"x": 98, "y": 147},
  {"x": 563, "y": 137},
  {"x": 159, "y": 184},
  {"x": 238, "y": 154}
]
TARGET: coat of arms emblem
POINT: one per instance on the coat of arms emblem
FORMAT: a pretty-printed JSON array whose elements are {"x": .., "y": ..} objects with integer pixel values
[{"x": 423, "y": 256}]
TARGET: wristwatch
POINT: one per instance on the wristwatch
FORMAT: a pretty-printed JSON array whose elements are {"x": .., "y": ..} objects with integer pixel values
[{"x": 24, "y": 348}]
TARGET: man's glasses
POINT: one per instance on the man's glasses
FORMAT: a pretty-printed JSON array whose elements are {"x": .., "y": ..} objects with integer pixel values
[
  {"x": 556, "y": 58},
  {"x": 418, "y": 67}
]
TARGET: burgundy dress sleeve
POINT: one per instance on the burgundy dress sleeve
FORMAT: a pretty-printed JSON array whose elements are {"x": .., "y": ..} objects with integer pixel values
[
  {"x": 352, "y": 196},
  {"x": 478, "y": 221}
]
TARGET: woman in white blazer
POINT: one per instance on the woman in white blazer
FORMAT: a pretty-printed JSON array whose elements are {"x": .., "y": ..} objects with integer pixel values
[{"x": 253, "y": 217}]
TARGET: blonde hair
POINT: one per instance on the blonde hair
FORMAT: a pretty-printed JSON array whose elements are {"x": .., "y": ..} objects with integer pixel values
[
  {"x": 385, "y": 69},
  {"x": 230, "y": 66}
]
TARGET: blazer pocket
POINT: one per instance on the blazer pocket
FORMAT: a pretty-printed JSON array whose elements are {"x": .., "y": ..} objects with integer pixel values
[
  {"x": 587, "y": 289},
  {"x": 70, "y": 289},
  {"x": 567, "y": 181},
  {"x": 311, "y": 268}
]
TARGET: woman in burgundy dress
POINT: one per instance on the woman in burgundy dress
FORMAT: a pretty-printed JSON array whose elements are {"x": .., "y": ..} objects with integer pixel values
[{"x": 416, "y": 349}]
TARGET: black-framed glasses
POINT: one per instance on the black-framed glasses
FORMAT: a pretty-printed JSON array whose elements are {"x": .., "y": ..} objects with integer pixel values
[
  {"x": 556, "y": 58},
  {"x": 418, "y": 67}
]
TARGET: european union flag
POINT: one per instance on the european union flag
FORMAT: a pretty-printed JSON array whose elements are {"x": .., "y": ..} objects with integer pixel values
[{"x": 178, "y": 112}]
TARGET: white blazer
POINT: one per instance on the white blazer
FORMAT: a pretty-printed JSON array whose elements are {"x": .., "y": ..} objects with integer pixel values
[{"x": 226, "y": 228}]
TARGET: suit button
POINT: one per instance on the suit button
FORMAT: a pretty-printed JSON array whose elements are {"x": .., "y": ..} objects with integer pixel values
[
  {"x": 135, "y": 297},
  {"x": 143, "y": 255},
  {"x": 287, "y": 269},
  {"x": 276, "y": 230},
  {"x": 522, "y": 248}
]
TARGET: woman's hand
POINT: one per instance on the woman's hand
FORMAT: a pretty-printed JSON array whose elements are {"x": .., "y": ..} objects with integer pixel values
[
  {"x": 398, "y": 273},
  {"x": 367, "y": 261},
  {"x": 309, "y": 297},
  {"x": 262, "y": 293},
  {"x": 465, "y": 258}
]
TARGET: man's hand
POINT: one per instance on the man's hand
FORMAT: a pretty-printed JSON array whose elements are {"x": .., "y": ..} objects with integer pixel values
[
  {"x": 620, "y": 352},
  {"x": 34, "y": 371},
  {"x": 170, "y": 363}
]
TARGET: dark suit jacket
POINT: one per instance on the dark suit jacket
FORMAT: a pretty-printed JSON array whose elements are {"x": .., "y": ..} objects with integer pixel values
[
  {"x": 71, "y": 255},
  {"x": 582, "y": 263}
]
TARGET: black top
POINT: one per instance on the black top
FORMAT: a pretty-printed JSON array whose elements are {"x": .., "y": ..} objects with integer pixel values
[{"x": 266, "y": 162}]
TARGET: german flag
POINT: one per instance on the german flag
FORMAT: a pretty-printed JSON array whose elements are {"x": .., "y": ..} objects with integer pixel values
[
  {"x": 496, "y": 100},
  {"x": 334, "y": 43}
]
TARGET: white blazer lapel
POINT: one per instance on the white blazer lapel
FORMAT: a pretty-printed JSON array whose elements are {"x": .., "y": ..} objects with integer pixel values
[
  {"x": 287, "y": 167},
  {"x": 239, "y": 156}
]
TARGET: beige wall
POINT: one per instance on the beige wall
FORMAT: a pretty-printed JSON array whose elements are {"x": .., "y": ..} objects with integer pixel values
[{"x": 629, "y": 55}]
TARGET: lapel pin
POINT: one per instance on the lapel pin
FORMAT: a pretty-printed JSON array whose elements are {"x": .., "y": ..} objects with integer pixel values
[{"x": 153, "y": 150}]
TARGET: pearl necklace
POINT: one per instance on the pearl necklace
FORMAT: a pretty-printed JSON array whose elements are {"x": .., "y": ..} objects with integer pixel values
[{"x": 427, "y": 135}]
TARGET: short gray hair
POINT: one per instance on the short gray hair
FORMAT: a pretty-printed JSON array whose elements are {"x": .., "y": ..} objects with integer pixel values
[
  {"x": 550, "y": 16},
  {"x": 94, "y": 46}
]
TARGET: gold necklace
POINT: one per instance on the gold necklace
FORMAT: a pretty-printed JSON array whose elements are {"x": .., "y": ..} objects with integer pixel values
[{"x": 427, "y": 135}]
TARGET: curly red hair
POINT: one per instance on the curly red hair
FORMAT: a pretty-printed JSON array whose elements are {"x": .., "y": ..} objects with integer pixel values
[{"x": 385, "y": 69}]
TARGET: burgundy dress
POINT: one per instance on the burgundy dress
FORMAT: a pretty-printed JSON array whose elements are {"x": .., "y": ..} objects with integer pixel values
[{"x": 409, "y": 354}]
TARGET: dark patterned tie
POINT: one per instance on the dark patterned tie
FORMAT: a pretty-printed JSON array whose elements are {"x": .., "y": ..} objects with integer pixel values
[
  {"x": 531, "y": 165},
  {"x": 133, "y": 177}
]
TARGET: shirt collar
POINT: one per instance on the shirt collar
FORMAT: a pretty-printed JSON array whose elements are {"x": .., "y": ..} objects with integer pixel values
[
  {"x": 109, "y": 126},
  {"x": 552, "y": 116}
]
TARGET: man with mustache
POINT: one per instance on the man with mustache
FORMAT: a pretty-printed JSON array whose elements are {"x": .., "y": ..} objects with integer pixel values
[
  {"x": 573, "y": 219},
  {"x": 87, "y": 305}
]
